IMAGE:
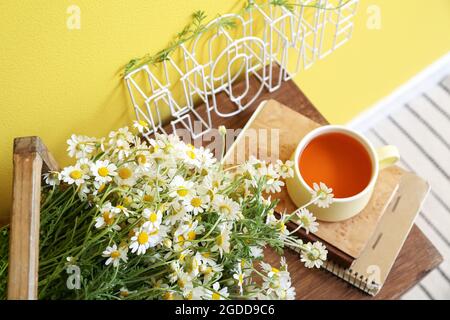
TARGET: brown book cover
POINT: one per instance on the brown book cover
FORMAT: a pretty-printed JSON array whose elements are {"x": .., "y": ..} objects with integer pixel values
[{"x": 344, "y": 240}]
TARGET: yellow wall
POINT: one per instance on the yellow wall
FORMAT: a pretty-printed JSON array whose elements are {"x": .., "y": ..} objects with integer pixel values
[{"x": 55, "y": 81}]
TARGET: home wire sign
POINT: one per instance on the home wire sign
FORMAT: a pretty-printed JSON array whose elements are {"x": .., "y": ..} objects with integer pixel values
[{"x": 263, "y": 36}]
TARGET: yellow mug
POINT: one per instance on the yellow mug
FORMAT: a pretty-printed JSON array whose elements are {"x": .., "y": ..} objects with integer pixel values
[{"x": 341, "y": 208}]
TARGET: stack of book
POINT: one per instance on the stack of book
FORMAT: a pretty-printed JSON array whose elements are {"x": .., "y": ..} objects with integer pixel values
[{"x": 363, "y": 249}]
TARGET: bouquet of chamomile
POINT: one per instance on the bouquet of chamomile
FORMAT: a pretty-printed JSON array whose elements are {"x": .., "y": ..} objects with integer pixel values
[{"x": 160, "y": 219}]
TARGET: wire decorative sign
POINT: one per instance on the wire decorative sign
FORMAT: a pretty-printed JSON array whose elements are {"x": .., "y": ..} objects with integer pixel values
[{"x": 263, "y": 37}]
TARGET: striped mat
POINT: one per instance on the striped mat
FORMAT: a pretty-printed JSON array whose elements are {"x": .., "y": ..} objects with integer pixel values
[{"x": 421, "y": 130}]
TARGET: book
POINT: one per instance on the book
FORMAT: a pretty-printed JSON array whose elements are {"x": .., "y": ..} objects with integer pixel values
[{"x": 274, "y": 124}]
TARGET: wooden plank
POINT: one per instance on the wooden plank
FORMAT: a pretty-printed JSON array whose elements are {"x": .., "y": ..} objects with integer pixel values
[
  {"x": 417, "y": 258},
  {"x": 24, "y": 233},
  {"x": 30, "y": 157}
]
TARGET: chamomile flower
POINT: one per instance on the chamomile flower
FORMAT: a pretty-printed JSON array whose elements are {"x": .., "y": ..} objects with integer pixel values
[
  {"x": 85, "y": 165},
  {"x": 307, "y": 221},
  {"x": 209, "y": 272},
  {"x": 141, "y": 126},
  {"x": 184, "y": 282},
  {"x": 196, "y": 204},
  {"x": 122, "y": 209},
  {"x": 80, "y": 146},
  {"x": 140, "y": 242},
  {"x": 180, "y": 188},
  {"x": 218, "y": 293},
  {"x": 143, "y": 161},
  {"x": 196, "y": 293},
  {"x": 98, "y": 188},
  {"x": 227, "y": 208},
  {"x": 176, "y": 214},
  {"x": 124, "y": 292},
  {"x": 285, "y": 170},
  {"x": 74, "y": 175},
  {"x": 103, "y": 171},
  {"x": 205, "y": 158},
  {"x": 272, "y": 182},
  {"x": 322, "y": 194},
  {"x": 83, "y": 191},
  {"x": 115, "y": 255},
  {"x": 314, "y": 255},
  {"x": 107, "y": 218},
  {"x": 256, "y": 252},
  {"x": 191, "y": 265},
  {"x": 52, "y": 178},
  {"x": 126, "y": 175},
  {"x": 191, "y": 156},
  {"x": 153, "y": 218},
  {"x": 120, "y": 137}
]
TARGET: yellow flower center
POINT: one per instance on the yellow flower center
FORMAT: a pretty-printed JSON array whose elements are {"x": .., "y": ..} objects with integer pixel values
[
  {"x": 148, "y": 198},
  {"x": 191, "y": 154},
  {"x": 103, "y": 171},
  {"x": 127, "y": 201},
  {"x": 225, "y": 209},
  {"x": 168, "y": 296},
  {"x": 153, "y": 149},
  {"x": 115, "y": 254},
  {"x": 101, "y": 188},
  {"x": 305, "y": 221},
  {"x": 108, "y": 218},
  {"x": 196, "y": 202},
  {"x": 124, "y": 293},
  {"x": 143, "y": 237},
  {"x": 125, "y": 173},
  {"x": 190, "y": 296},
  {"x": 153, "y": 217},
  {"x": 182, "y": 192},
  {"x": 141, "y": 159},
  {"x": 275, "y": 270},
  {"x": 181, "y": 283},
  {"x": 208, "y": 270},
  {"x": 75, "y": 174},
  {"x": 191, "y": 235},
  {"x": 206, "y": 254},
  {"x": 215, "y": 296}
]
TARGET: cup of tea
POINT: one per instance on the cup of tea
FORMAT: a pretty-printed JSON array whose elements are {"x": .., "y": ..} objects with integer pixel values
[{"x": 346, "y": 162}]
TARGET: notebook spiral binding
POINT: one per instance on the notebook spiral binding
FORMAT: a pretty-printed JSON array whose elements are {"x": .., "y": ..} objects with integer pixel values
[{"x": 348, "y": 275}]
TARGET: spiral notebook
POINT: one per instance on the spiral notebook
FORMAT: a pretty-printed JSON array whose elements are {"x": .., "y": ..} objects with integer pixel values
[{"x": 371, "y": 269}]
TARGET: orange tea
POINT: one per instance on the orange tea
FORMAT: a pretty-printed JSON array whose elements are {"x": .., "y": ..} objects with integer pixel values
[{"x": 338, "y": 160}]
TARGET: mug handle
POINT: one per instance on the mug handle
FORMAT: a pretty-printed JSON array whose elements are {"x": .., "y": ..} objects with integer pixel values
[{"x": 387, "y": 156}]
